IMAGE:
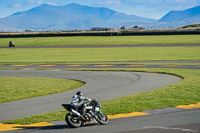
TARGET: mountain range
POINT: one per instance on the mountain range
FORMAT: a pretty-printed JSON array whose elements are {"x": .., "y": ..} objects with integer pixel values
[
  {"x": 191, "y": 14},
  {"x": 79, "y": 17}
]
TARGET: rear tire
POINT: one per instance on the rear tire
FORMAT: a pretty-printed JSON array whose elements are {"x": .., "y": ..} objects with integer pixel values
[
  {"x": 102, "y": 118},
  {"x": 72, "y": 121}
]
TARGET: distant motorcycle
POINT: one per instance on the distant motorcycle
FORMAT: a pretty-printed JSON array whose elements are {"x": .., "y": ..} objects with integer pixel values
[
  {"x": 11, "y": 44},
  {"x": 92, "y": 114}
]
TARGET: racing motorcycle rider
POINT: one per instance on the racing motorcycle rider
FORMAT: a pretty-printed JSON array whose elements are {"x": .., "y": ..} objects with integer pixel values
[{"x": 78, "y": 102}]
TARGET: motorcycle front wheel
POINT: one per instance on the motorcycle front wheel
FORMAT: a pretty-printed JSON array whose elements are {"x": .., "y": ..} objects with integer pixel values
[
  {"x": 73, "y": 122},
  {"x": 102, "y": 118}
]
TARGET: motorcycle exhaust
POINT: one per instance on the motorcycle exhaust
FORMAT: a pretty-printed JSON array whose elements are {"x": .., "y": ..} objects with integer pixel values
[
  {"x": 78, "y": 114},
  {"x": 75, "y": 112}
]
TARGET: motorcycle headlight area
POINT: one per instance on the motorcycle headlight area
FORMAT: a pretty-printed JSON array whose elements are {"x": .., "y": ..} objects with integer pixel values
[{"x": 97, "y": 108}]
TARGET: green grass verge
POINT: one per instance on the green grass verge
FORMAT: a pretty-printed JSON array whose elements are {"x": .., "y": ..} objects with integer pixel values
[
  {"x": 101, "y": 40},
  {"x": 70, "y": 55},
  {"x": 185, "y": 92},
  {"x": 182, "y": 93},
  {"x": 15, "y": 88}
]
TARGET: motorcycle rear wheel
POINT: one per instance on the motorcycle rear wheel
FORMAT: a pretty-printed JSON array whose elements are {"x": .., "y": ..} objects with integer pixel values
[{"x": 72, "y": 121}]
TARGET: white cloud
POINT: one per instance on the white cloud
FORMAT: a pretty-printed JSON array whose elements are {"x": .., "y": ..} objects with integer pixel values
[
  {"x": 110, "y": 3},
  {"x": 31, "y": 1},
  {"x": 51, "y": 3},
  {"x": 39, "y": 2},
  {"x": 16, "y": 5},
  {"x": 27, "y": 4}
]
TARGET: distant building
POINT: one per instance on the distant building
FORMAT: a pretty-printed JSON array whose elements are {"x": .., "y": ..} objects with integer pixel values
[
  {"x": 100, "y": 29},
  {"x": 191, "y": 26},
  {"x": 29, "y": 31},
  {"x": 137, "y": 28},
  {"x": 123, "y": 28}
]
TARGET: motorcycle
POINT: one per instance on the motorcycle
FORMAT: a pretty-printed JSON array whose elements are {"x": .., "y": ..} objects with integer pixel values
[{"x": 92, "y": 114}]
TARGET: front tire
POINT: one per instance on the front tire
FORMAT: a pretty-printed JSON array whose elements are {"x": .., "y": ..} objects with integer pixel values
[
  {"x": 102, "y": 118},
  {"x": 72, "y": 121}
]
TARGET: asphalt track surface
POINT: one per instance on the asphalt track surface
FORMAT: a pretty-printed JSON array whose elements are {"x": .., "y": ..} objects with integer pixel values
[
  {"x": 99, "y": 85},
  {"x": 102, "y": 86},
  {"x": 106, "y": 65},
  {"x": 110, "y": 46},
  {"x": 176, "y": 122}
]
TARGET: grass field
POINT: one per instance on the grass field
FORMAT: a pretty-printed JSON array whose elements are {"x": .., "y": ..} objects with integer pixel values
[
  {"x": 16, "y": 88},
  {"x": 185, "y": 92},
  {"x": 101, "y": 40},
  {"x": 79, "y": 55}
]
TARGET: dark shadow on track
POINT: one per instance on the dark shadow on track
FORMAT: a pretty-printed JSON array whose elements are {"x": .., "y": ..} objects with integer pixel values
[{"x": 53, "y": 127}]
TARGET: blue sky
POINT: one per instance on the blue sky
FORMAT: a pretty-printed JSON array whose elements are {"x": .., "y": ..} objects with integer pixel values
[{"x": 147, "y": 8}]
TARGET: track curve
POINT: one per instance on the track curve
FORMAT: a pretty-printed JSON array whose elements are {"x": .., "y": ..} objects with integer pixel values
[{"x": 101, "y": 85}]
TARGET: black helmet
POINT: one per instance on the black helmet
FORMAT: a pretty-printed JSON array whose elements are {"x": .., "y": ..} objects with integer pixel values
[{"x": 79, "y": 93}]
